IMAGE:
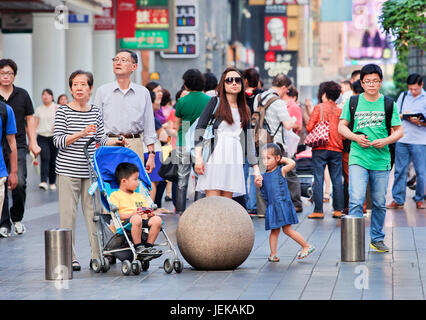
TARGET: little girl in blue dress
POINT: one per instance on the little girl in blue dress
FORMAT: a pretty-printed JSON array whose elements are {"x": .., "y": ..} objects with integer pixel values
[{"x": 280, "y": 210}]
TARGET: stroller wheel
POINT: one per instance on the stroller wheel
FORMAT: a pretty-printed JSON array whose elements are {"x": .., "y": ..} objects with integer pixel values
[
  {"x": 96, "y": 265},
  {"x": 106, "y": 265},
  {"x": 168, "y": 266},
  {"x": 136, "y": 267},
  {"x": 145, "y": 265},
  {"x": 126, "y": 267},
  {"x": 178, "y": 266}
]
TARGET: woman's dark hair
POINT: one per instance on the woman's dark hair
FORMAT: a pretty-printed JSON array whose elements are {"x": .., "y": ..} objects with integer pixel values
[
  {"x": 331, "y": 89},
  {"x": 60, "y": 96},
  {"x": 124, "y": 170},
  {"x": 370, "y": 69},
  {"x": 357, "y": 87},
  {"x": 166, "y": 97},
  {"x": 88, "y": 74},
  {"x": 193, "y": 79},
  {"x": 210, "y": 81},
  {"x": 355, "y": 73},
  {"x": 48, "y": 91},
  {"x": 292, "y": 92},
  {"x": 224, "y": 109},
  {"x": 10, "y": 63},
  {"x": 152, "y": 94},
  {"x": 252, "y": 77},
  {"x": 414, "y": 78},
  {"x": 133, "y": 55},
  {"x": 152, "y": 85},
  {"x": 277, "y": 148}
]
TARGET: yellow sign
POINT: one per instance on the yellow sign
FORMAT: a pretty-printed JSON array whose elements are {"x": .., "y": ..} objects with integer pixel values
[{"x": 154, "y": 76}]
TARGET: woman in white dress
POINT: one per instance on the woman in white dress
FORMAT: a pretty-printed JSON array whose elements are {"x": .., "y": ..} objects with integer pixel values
[{"x": 223, "y": 173}]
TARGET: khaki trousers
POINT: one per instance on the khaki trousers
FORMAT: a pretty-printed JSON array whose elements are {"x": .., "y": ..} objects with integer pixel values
[
  {"x": 70, "y": 190},
  {"x": 136, "y": 145}
]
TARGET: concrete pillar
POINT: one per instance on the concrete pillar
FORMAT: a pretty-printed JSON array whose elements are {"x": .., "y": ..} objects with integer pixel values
[
  {"x": 18, "y": 47},
  {"x": 79, "y": 48},
  {"x": 49, "y": 56},
  {"x": 103, "y": 51}
]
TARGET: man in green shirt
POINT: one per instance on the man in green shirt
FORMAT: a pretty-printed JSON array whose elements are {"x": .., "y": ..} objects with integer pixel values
[
  {"x": 369, "y": 158},
  {"x": 188, "y": 109}
]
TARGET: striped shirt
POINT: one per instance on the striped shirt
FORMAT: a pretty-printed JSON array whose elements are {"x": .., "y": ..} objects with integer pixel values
[{"x": 71, "y": 160}]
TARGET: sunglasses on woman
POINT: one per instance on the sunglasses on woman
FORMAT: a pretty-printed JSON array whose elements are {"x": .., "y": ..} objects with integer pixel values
[{"x": 238, "y": 80}]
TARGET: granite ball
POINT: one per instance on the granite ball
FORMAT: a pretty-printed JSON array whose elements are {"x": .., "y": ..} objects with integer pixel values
[{"x": 215, "y": 233}]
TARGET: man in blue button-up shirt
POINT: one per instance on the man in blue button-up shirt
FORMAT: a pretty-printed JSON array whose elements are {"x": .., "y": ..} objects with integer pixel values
[{"x": 411, "y": 147}]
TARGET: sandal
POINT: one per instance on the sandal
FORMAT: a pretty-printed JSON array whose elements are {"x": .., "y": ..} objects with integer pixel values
[
  {"x": 304, "y": 254},
  {"x": 76, "y": 266},
  {"x": 273, "y": 258}
]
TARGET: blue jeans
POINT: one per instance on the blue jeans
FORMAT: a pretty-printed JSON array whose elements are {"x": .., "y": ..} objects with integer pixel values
[
  {"x": 404, "y": 153},
  {"x": 321, "y": 158},
  {"x": 358, "y": 179},
  {"x": 250, "y": 195}
]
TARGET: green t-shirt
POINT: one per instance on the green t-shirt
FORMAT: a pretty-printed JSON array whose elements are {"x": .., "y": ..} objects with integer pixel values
[
  {"x": 189, "y": 108},
  {"x": 370, "y": 120}
]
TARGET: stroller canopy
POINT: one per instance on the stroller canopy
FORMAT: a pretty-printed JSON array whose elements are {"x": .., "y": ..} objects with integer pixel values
[{"x": 106, "y": 160}]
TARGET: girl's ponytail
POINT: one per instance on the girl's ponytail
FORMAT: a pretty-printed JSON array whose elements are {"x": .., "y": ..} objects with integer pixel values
[{"x": 278, "y": 148}]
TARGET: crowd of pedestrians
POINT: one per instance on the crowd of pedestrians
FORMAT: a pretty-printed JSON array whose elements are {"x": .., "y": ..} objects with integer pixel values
[{"x": 256, "y": 166}]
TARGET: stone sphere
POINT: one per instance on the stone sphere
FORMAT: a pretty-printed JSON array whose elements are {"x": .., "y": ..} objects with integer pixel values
[{"x": 215, "y": 233}]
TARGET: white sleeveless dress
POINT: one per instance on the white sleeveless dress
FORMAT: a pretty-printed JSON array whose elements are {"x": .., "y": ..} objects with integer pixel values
[{"x": 224, "y": 168}]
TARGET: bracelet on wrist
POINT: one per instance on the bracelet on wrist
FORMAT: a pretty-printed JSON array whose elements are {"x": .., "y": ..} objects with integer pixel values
[{"x": 151, "y": 152}]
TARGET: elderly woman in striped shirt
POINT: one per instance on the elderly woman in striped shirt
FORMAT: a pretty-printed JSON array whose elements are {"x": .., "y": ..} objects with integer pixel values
[{"x": 75, "y": 123}]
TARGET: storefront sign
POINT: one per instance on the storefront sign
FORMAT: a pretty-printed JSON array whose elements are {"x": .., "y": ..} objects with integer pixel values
[
  {"x": 152, "y": 18},
  {"x": 147, "y": 39},
  {"x": 78, "y": 18},
  {"x": 105, "y": 21},
  {"x": 275, "y": 33},
  {"x": 11, "y": 23},
  {"x": 186, "y": 14},
  {"x": 126, "y": 18},
  {"x": 152, "y": 3},
  {"x": 186, "y": 46},
  {"x": 276, "y": 62}
]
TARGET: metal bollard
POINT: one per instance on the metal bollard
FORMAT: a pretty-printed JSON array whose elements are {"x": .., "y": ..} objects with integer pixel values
[
  {"x": 352, "y": 239},
  {"x": 58, "y": 254}
]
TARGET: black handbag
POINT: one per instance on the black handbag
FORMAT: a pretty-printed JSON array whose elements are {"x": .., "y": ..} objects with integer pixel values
[{"x": 169, "y": 168}]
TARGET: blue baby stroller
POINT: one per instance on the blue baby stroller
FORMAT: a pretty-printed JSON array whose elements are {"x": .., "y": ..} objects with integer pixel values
[{"x": 115, "y": 239}]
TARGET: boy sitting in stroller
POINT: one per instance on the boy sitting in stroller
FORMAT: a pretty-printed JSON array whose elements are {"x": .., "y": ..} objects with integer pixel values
[{"x": 132, "y": 208}]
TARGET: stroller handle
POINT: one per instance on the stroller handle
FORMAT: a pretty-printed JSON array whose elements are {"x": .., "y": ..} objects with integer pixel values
[{"x": 86, "y": 147}]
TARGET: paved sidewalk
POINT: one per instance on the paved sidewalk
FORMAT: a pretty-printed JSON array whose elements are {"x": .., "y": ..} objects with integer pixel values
[{"x": 400, "y": 274}]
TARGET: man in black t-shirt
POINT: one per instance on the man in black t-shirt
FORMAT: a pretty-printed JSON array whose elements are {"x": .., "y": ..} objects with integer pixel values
[{"x": 22, "y": 106}]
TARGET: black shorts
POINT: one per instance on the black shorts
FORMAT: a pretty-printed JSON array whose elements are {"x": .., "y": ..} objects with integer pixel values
[{"x": 144, "y": 222}]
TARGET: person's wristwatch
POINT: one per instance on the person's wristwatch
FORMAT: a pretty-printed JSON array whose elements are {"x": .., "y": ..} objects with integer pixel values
[{"x": 151, "y": 152}]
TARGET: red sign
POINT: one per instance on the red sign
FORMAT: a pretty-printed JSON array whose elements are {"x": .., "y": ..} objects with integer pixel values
[
  {"x": 152, "y": 18},
  {"x": 126, "y": 18},
  {"x": 106, "y": 20},
  {"x": 275, "y": 33}
]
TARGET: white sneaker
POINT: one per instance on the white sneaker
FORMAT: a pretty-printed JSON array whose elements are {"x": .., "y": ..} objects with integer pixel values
[
  {"x": 52, "y": 187},
  {"x": 43, "y": 185},
  {"x": 19, "y": 228},
  {"x": 4, "y": 232}
]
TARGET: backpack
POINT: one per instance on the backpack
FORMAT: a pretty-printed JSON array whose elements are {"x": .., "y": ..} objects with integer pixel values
[
  {"x": 250, "y": 99},
  {"x": 3, "y": 115},
  {"x": 208, "y": 135},
  {"x": 258, "y": 119},
  {"x": 353, "y": 103}
]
